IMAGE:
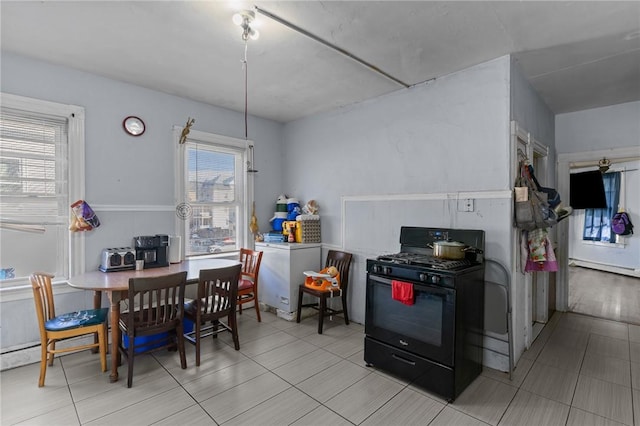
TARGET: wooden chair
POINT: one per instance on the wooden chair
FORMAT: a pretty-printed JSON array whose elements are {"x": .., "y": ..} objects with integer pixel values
[
  {"x": 342, "y": 261},
  {"x": 156, "y": 311},
  {"x": 74, "y": 324},
  {"x": 248, "y": 286},
  {"x": 217, "y": 298}
]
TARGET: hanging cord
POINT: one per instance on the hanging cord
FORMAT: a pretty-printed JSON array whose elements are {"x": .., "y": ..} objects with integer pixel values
[{"x": 246, "y": 91}]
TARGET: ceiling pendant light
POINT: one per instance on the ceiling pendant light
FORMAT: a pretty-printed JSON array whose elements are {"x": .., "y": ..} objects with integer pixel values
[{"x": 244, "y": 19}]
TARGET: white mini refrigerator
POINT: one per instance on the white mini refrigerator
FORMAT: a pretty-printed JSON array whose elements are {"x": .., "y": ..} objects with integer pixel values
[{"x": 281, "y": 273}]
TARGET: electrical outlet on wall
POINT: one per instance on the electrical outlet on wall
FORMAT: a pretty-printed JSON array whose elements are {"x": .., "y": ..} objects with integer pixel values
[{"x": 465, "y": 205}]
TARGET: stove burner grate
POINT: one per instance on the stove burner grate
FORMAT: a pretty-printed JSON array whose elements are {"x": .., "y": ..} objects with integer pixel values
[{"x": 425, "y": 260}]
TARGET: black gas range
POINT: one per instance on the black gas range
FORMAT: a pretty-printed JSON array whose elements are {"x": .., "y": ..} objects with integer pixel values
[{"x": 434, "y": 339}]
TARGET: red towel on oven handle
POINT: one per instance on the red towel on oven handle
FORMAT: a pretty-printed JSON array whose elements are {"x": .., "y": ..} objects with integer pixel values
[{"x": 402, "y": 292}]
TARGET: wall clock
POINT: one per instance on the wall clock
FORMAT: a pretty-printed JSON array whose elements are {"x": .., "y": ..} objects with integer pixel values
[{"x": 133, "y": 125}]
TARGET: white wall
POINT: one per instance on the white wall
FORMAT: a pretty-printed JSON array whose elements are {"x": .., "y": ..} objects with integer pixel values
[
  {"x": 404, "y": 159},
  {"x": 131, "y": 175},
  {"x": 605, "y": 129},
  {"x": 597, "y": 129}
]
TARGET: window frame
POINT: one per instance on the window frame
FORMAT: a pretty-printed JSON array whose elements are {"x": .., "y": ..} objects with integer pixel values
[
  {"x": 591, "y": 214},
  {"x": 72, "y": 261},
  {"x": 245, "y": 182}
]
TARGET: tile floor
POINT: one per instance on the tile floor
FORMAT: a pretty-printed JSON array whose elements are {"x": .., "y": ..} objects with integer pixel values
[{"x": 580, "y": 371}]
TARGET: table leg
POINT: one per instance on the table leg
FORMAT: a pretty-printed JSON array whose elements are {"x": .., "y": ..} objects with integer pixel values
[
  {"x": 97, "y": 304},
  {"x": 114, "y": 299}
]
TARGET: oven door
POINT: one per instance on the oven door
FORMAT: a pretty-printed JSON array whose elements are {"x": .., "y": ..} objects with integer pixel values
[{"x": 425, "y": 328}]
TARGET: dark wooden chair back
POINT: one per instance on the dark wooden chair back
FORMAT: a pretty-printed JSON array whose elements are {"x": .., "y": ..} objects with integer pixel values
[
  {"x": 156, "y": 311},
  {"x": 217, "y": 299},
  {"x": 342, "y": 261}
]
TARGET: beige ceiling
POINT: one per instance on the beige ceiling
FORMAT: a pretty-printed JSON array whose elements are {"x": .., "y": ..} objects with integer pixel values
[{"x": 577, "y": 54}]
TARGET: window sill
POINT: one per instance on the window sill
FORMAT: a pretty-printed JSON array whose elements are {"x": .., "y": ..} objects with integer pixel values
[
  {"x": 22, "y": 292},
  {"x": 603, "y": 244}
]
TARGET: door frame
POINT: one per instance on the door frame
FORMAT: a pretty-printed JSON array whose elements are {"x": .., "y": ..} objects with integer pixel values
[{"x": 563, "y": 170}]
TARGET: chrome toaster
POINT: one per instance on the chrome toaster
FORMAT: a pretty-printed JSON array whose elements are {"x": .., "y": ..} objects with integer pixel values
[{"x": 117, "y": 259}]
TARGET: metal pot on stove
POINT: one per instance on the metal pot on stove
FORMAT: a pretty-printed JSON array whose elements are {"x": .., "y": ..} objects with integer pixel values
[{"x": 454, "y": 250}]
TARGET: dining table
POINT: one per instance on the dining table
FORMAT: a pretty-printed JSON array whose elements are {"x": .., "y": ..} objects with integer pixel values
[{"x": 116, "y": 285}]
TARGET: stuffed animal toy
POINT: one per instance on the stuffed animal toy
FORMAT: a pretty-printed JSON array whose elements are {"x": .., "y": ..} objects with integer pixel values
[{"x": 311, "y": 207}]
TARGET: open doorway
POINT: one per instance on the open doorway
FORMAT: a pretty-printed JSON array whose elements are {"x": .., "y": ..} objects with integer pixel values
[{"x": 596, "y": 278}]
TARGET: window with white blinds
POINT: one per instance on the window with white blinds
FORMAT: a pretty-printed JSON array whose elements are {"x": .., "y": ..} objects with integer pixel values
[{"x": 35, "y": 187}]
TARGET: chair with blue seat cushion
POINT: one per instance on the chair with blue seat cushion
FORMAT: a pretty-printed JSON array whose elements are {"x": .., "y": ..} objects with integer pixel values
[
  {"x": 217, "y": 298},
  {"x": 54, "y": 328}
]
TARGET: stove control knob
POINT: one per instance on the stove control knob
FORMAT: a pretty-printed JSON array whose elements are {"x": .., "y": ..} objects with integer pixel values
[
  {"x": 376, "y": 269},
  {"x": 423, "y": 277},
  {"x": 387, "y": 270},
  {"x": 435, "y": 279}
]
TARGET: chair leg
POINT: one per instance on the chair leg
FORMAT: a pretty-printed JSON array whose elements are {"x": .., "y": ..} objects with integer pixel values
[
  {"x": 344, "y": 308},
  {"x": 256, "y": 304},
  {"x": 300, "y": 294},
  {"x": 240, "y": 308},
  {"x": 323, "y": 308},
  {"x": 51, "y": 354},
  {"x": 43, "y": 365},
  {"x": 233, "y": 324},
  {"x": 130, "y": 355},
  {"x": 181, "y": 349},
  {"x": 197, "y": 325},
  {"x": 102, "y": 344}
]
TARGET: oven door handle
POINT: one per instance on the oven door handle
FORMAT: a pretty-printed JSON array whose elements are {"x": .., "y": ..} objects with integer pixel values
[
  {"x": 432, "y": 289},
  {"x": 406, "y": 361}
]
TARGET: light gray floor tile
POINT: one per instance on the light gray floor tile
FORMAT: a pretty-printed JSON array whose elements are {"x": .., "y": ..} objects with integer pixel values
[
  {"x": 607, "y": 346},
  {"x": 309, "y": 365},
  {"x": 517, "y": 377},
  {"x": 528, "y": 409},
  {"x": 17, "y": 407},
  {"x": 146, "y": 369},
  {"x": 347, "y": 345},
  {"x": 265, "y": 344},
  {"x": 243, "y": 397},
  {"x": 579, "y": 417},
  {"x": 613, "y": 329},
  {"x": 363, "y": 398},
  {"x": 235, "y": 388},
  {"x": 636, "y": 405},
  {"x": 485, "y": 399},
  {"x": 451, "y": 417},
  {"x": 551, "y": 383},
  {"x": 328, "y": 383},
  {"x": 121, "y": 397},
  {"x": 605, "y": 399},
  {"x": 65, "y": 415},
  {"x": 192, "y": 416},
  {"x": 613, "y": 370},
  {"x": 322, "y": 416},
  {"x": 82, "y": 365},
  {"x": 635, "y": 376},
  {"x": 563, "y": 357},
  {"x": 569, "y": 337},
  {"x": 27, "y": 377},
  {"x": 209, "y": 385},
  {"x": 406, "y": 408},
  {"x": 634, "y": 352},
  {"x": 284, "y": 354},
  {"x": 150, "y": 410},
  {"x": 282, "y": 409}
]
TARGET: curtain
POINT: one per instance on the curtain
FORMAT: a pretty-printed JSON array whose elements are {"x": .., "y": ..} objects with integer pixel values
[{"x": 597, "y": 222}]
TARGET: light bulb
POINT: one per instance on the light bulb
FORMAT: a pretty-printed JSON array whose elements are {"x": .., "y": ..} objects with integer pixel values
[
  {"x": 254, "y": 34},
  {"x": 237, "y": 19}
]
